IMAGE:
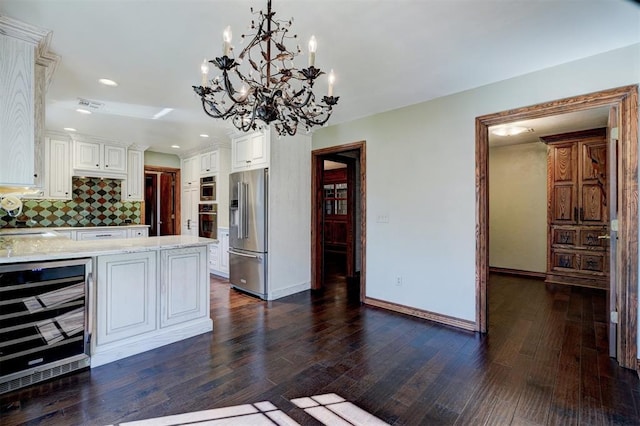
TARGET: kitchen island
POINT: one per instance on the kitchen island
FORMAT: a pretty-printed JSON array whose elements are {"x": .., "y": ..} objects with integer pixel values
[{"x": 143, "y": 293}]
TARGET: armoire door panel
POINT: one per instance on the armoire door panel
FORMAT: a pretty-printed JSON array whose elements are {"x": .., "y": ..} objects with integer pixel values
[
  {"x": 594, "y": 161},
  {"x": 564, "y": 236},
  {"x": 593, "y": 262},
  {"x": 590, "y": 237},
  {"x": 564, "y": 205},
  {"x": 564, "y": 260},
  {"x": 564, "y": 167},
  {"x": 593, "y": 207}
]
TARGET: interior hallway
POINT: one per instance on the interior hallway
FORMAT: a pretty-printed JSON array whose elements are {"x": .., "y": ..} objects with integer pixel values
[{"x": 544, "y": 361}]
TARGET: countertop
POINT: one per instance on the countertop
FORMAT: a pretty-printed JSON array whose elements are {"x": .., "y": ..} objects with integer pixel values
[
  {"x": 49, "y": 245},
  {"x": 5, "y": 231}
]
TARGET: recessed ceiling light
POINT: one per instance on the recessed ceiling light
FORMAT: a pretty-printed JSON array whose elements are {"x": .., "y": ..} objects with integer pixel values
[
  {"x": 511, "y": 130},
  {"x": 175, "y": 146},
  {"x": 83, "y": 111},
  {"x": 107, "y": 82},
  {"x": 69, "y": 129},
  {"x": 203, "y": 135}
]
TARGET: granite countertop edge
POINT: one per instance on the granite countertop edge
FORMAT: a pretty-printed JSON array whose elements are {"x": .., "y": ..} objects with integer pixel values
[{"x": 14, "y": 250}]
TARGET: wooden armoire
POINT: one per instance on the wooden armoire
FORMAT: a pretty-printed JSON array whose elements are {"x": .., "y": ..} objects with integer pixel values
[{"x": 577, "y": 209}]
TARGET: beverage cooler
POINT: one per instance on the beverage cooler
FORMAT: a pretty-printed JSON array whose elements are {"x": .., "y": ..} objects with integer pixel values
[{"x": 44, "y": 329}]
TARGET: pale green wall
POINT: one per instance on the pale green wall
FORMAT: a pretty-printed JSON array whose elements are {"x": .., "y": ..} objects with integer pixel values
[
  {"x": 421, "y": 173},
  {"x": 518, "y": 207},
  {"x": 161, "y": 160}
]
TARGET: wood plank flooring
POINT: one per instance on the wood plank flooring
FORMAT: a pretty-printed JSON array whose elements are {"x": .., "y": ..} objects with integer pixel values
[{"x": 543, "y": 362}]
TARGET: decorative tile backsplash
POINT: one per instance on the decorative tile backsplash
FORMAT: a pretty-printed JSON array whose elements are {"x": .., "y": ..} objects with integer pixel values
[{"x": 95, "y": 202}]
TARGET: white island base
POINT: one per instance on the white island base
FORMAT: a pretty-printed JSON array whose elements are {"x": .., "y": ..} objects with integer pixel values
[{"x": 149, "y": 299}]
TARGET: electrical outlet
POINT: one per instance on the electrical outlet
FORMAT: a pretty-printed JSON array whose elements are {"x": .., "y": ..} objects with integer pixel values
[
  {"x": 382, "y": 218},
  {"x": 398, "y": 280}
]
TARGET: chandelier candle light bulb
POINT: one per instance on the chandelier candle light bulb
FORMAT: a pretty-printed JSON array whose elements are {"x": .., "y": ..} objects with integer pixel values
[
  {"x": 313, "y": 45},
  {"x": 226, "y": 38},
  {"x": 204, "y": 68},
  {"x": 332, "y": 80}
]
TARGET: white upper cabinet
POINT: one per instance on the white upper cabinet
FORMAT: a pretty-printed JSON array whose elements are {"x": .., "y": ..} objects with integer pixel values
[
  {"x": 58, "y": 168},
  {"x": 190, "y": 175},
  {"x": 250, "y": 151},
  {"x": 25, "y": 70},
  {"x": 99, "y": 159},
  {"x": 133, "y": 188},
  {"x": 209, "y": 163}
]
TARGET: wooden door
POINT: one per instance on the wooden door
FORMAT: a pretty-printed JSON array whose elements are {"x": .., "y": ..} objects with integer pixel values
[{"x": 168, "y": 204}]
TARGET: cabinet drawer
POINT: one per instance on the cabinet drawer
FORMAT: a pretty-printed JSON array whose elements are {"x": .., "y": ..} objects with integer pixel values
[
  {"x": 563, "y": 260},
  {"x": 563, "y": 236}
]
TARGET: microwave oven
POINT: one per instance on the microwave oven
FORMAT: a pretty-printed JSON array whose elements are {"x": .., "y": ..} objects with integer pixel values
[{"x": 208, "y": 188}]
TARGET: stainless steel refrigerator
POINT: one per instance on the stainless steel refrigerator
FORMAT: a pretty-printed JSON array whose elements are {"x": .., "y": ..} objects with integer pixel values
[{"x": 248, "y": 197}]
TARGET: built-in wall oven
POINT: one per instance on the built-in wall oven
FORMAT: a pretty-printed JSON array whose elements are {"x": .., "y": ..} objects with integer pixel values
[
  {"x": 208, "y": 188},
  {"x": 208, "y": 220},
  {"x": 44, "y": 322}
]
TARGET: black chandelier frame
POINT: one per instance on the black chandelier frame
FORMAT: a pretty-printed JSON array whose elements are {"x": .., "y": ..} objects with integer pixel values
[{"x": 274, "y": 91}]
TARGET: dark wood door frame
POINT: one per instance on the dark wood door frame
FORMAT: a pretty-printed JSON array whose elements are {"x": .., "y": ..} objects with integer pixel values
[
  {"x": 317, "y": 167},
  {"x": 177, "y": 208},
  {"x": 626, "y": 100}
]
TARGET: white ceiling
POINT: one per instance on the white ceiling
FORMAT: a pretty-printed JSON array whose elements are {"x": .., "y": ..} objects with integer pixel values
[{"x": 386, "y": 54}]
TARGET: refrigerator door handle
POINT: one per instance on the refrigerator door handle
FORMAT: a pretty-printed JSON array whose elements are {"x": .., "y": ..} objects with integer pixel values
[
  {"x": 252, "y": 256},
  {"x": 245, "y": 208},
  {"x": 240, "y": 208}
]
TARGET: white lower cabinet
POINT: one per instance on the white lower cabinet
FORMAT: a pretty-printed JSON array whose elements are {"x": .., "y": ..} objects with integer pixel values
[
  {"x": 144, "y": 300},
  {"x": 219, "y": 254},
  {"x": 126, "y": 296},
  {"x": 184, "y": 293}
]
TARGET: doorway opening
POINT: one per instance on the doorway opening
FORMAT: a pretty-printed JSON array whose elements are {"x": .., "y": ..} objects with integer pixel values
[
  {"x": 162, "y": 200},
  {"x": 625, "y": 101},
  {"x": 338, "y": 233}
]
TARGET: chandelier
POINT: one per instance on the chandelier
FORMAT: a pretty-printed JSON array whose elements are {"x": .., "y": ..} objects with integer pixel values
[{"x": 271, "y": 90}]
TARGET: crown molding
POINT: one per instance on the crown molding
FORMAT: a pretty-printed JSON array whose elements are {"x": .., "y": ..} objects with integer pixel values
[{"x": 40, "y": 38}]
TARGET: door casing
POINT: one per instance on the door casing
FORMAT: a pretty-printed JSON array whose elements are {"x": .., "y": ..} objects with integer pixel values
[
  {"x": 626, "y": 100},
  {"x": 317, "y": 167}
]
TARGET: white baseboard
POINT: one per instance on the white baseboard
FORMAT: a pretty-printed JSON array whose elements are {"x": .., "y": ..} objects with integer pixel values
[
  {"x": 283, "y": 292},
  {"x": 115, "y": 351}
]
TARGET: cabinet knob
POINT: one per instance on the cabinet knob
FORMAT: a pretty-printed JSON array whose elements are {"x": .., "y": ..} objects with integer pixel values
[
  {"x": 106, "y": 165},
  {"x": 97, "y": 165},
  {"x": 35, "y": 175}
]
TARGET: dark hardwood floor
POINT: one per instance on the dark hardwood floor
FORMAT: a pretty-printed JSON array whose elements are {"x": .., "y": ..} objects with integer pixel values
[{"x": 544, "y": 361}]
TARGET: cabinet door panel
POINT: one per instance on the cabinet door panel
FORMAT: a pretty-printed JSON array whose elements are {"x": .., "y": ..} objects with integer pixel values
[
  {"x": 564, "y": 260},
  {"x": 126, "y": 296},
  {"x": 564, "y": 169},
  {"x": 564, "y": 204},
  {"x": 593, "y": 262},
  {"x": 184, "y": 294},
  {"x": 115, "y": 158},
  {"x": 59, "y": 169},
  {"x": 594, "y": 161},
  {"x": 593, "y": 207},
  {"x": 86, "y": 155},
  {"x": 564, "y": 236},
  {"x": 589, "y": 238}
]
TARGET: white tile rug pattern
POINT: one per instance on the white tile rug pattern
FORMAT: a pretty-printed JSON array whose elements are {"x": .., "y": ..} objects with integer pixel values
[{"x": 329, "y": 409}]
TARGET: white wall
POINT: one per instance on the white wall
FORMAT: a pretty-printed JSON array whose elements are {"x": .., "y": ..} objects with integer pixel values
[
  {"x": 518, "y": 207},
  {"x": 421, "y": 173},
  {"x": 160, "y": 159},
  {"x": 289, "y": 269}
]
